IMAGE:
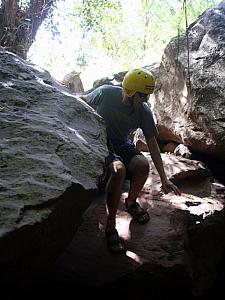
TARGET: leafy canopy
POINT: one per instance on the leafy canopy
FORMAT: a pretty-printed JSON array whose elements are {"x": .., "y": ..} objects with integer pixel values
[{"x": 118, "y": 34}]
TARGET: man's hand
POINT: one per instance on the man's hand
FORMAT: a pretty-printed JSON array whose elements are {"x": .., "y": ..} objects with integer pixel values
[{"x": 168, "y": 186}]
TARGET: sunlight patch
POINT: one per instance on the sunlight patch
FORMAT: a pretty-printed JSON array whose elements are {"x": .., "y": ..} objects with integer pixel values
[
  {"x": 123, "y": 226},
  {"x": 134, "y": 256}
]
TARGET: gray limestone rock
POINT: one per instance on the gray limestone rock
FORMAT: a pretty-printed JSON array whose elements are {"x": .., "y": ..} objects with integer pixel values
[
  {"x": 190, "y": 100},
  {"x": 52, "y": 150}
]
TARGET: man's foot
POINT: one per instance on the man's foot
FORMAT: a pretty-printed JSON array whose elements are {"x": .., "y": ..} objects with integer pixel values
[
  {"x": 114, "y": 242},
  {"x": 137, "y": 212}
]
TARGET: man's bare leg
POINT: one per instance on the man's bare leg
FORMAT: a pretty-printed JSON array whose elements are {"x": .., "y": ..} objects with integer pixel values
[
  {"x": 113, "y": 193},
  {"x": 139, "y": 168}
]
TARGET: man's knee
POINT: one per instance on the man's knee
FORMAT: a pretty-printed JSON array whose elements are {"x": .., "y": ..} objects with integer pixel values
[
  {"x": 118, "y": 169},
  {"x": 139, "y": 165}
]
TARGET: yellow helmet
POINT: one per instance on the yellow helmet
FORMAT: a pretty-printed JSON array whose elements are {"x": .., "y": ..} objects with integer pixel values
[{"x": 138, "y": 80}]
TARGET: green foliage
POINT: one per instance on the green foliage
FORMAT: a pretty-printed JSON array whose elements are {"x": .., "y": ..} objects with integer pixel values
[
  {"x": 141, "y": 39},
  {"x": 195, "y": 8},
  {"x": 120, "y": 33},
  {"x": 95, "y": 13},
  {"x": 100, "y": 21}
]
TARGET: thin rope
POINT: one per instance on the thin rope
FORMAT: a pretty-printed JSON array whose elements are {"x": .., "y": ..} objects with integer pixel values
[
  {"x": 188, "y": 51},
  {"x": 178, "y": 41}
]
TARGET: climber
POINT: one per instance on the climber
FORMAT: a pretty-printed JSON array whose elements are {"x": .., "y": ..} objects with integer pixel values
[{"x": 125, "y": 109}]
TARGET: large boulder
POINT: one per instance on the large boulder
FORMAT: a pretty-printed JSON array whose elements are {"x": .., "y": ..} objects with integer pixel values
[
  {"x": 189, "y": 100},
  {"x": 52, "y": 152}
]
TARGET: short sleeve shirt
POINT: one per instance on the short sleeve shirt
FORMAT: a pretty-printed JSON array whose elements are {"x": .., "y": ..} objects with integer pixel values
[{"x": 120, "y": 118}]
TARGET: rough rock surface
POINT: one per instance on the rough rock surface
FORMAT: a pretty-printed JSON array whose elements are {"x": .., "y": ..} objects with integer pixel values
[
  {"x": 179, "y": 250},
  {"x": 73, "y": 82},
  {"x": 191, "y": 112},
  {"x": 52, "y": 152}
]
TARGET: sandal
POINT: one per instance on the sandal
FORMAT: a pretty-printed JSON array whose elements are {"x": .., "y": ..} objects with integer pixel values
[
  {"x": 137, "y": 212},
  {"x": 114, "y": 242}
]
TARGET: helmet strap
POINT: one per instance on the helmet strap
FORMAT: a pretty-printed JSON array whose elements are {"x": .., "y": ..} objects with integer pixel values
[{"x": 131, "y": 100}]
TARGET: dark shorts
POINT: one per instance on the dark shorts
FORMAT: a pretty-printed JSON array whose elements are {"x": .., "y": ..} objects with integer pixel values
[{"x": 124, "y": 153}]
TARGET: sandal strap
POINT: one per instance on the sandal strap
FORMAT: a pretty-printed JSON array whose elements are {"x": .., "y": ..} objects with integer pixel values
[
  {"x": 111, "y": 232},
  {"x": 137, "y": 212},
  {"x": 113, "y": 239},
  {"x": 133, "y": 207}
]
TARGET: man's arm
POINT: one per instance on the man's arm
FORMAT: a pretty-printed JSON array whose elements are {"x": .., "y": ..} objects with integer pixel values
[{"x": 167, "y": 185}]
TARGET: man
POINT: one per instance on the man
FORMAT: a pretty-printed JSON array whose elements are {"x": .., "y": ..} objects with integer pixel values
[{"x": 124, "y": 110}]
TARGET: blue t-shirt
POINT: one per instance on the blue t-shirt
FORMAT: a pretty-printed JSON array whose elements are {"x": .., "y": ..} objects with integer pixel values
[{"x": 120, "y": 118}]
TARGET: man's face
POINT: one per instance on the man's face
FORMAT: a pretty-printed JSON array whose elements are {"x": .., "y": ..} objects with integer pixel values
[{"x": 139, "y": 98}]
